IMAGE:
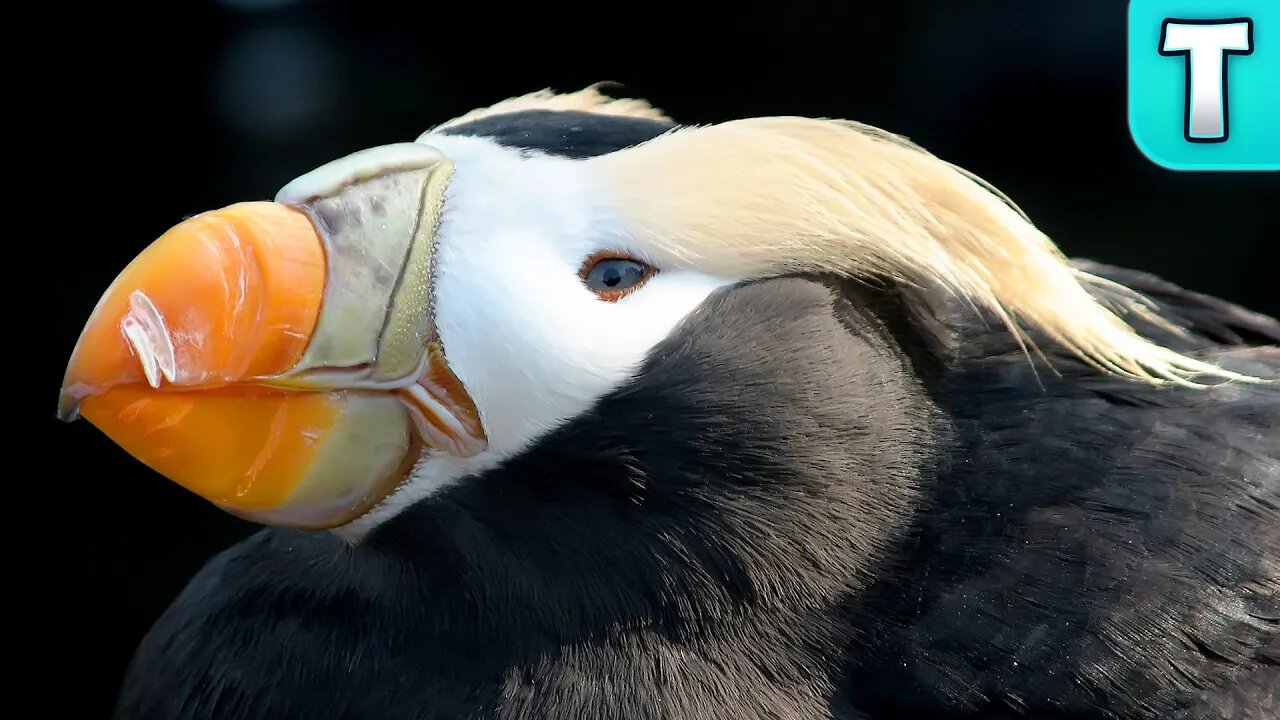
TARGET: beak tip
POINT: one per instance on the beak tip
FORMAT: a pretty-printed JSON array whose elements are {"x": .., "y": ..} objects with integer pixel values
[{"x": 68, "y": 406}]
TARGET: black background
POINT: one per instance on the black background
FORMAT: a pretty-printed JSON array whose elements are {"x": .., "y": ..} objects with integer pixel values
[{"x": 199, "y": 105}]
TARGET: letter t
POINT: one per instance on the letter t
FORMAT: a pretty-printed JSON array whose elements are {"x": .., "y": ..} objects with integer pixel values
[{"x": 1206, "y": 44}]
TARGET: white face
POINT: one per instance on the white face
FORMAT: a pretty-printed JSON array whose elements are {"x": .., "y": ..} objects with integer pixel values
[{"x": 533, "y": 345}]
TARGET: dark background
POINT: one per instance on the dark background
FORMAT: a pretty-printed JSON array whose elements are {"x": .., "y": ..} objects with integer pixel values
[{"x": 185, "y": 109}]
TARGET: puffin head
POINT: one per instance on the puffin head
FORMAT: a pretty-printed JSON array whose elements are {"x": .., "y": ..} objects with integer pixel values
[{"x": 411, "y": 316}]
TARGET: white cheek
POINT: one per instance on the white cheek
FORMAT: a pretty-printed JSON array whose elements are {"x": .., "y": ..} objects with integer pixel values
[
  {"x": 534, "y": 346},
  {"x": 505, "y": 330}
]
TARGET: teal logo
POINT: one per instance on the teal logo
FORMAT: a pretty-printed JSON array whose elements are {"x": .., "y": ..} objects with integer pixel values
[{"x": 1204, "y": 83}]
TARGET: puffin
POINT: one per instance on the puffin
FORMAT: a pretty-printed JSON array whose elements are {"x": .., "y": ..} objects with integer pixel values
[{"x": 567, "y": 410}]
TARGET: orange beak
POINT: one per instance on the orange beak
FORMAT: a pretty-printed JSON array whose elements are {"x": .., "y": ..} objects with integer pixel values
[{"x": 269, "y": 357}]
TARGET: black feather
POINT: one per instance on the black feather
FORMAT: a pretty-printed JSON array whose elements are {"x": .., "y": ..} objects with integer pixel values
[
  {"x": 572, "y": 134},
  {"x": 1094, "y": 547}
]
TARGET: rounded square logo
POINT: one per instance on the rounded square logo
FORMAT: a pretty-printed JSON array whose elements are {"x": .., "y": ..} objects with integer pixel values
[{"x": 1204, "y": 83}]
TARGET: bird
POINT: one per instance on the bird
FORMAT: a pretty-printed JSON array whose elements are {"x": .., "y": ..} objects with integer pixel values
[{"x": 567, "y": 410}]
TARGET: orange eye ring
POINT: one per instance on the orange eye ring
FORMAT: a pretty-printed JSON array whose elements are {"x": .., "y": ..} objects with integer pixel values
[{"x": 612, "y": 275}]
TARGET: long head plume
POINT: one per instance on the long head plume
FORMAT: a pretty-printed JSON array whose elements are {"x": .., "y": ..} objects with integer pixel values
[{"x": 772, "y": 195}]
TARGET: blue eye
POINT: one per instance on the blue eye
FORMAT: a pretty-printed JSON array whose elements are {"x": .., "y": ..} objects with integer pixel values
[{"x": 613, "y": 277}]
